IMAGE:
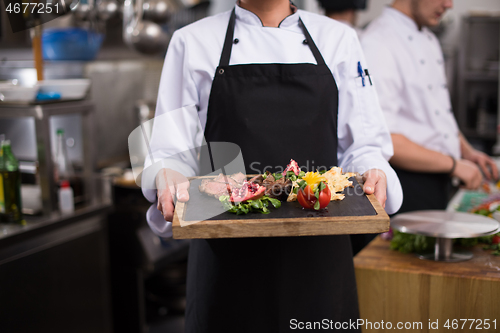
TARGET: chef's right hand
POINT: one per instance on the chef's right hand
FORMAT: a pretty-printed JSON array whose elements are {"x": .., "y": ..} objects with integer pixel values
[
  {"x": 170, "y": 182},
  {"x": 469, "y": 173}
]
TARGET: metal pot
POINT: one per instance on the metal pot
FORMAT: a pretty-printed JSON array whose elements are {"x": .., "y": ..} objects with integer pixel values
[
  {"x": 148, "y": 37},
  {"x": 107, "y": 9},
  {"x": 160, "y": 11}
]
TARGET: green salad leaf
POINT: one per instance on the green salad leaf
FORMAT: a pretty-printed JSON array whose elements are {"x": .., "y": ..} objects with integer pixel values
[{"x": 260, "y": 205}]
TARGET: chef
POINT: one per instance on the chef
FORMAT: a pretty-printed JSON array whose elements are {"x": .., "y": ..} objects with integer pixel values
[
  {"x": 407, "y": 65},
  {"x": 280, "y": 83},
  {"x": 344, "y": 11}
]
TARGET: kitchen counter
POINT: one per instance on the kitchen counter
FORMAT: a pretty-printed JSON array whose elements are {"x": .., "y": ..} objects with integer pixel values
[
  {"x": 55, "y": 271},
  {"x": 396, "y": 287},
  {"x": 35, "y": 224}
]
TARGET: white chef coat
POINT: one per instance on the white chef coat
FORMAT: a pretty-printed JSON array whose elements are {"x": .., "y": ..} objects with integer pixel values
[
  {"x": 193, "y": 55},
  {"x": 359, "y": 31},
  {"x": 408, "y": 67}
]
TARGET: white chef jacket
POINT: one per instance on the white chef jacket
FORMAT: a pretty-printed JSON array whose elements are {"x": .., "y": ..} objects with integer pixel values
[
  {"x": 193, "y": 55},
  {"x": 408, "y": 67}
]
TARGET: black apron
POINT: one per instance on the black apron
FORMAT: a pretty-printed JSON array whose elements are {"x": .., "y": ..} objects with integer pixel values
[
  {"x": 422, "y": 191},
  {"x": 274, "y": 112}
]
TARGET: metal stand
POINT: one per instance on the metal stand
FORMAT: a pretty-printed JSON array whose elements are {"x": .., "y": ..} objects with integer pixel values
[
  {"x": 445, "y": 226},
  {"x": 443, "y": 251}
]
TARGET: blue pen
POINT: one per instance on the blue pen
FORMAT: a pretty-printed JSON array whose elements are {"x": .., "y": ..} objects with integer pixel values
[{"x": 360, "y": 71}]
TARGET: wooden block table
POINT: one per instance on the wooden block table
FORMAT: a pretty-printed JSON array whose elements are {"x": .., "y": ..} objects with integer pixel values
[{"x": 396, "y": 287}]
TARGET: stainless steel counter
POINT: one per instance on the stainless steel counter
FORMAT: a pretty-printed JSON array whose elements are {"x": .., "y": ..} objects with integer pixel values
[{"x": 55, "y": 271}]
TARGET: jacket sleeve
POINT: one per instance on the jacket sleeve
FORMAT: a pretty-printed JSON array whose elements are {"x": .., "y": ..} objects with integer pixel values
[
  {"x": 177, "y": 133},
  {"x": 364, "y": 139}
]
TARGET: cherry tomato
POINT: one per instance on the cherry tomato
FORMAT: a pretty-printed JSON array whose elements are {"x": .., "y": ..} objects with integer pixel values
[
  {"x": 495, "y": 239},
  {"x": 303, "y": 201},
  {"x": 324, "y": 197},
  {"x": 307, "y": 199}
]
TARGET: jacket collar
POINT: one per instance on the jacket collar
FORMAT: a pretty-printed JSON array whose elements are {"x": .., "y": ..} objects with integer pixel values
[{"x": 248, "y": 17}]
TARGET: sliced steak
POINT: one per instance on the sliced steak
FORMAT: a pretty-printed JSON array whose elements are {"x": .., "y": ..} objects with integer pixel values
[
  {"x": 222, "y": 184},
  {"x": 279, "y": 189},
  {"x": 257, "y": 179},
  {"x": 239, "y": 177},
  {"x": 221, "y": 178},
  {"x": 214, "y": 189}
]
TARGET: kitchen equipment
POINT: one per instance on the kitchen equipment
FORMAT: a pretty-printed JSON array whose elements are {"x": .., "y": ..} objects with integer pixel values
[
  {"x": 17, "y": 93},
  {"x": 204, "y": 217},
  {"x": 106, "y": 9},
  {"x": 144, "y": 36},
  {"x": 445, "y": 225},
  {"x": 160, "y": 11},
  {"x": 71, "y": 44},
  {"x": 82, "y": 11},
  {"x": 69, "y": 89},
  {"x": 148, "y": 37}
]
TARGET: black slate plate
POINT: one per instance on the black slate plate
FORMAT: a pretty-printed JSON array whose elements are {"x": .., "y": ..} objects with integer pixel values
[{"x": 202, "y": 207}]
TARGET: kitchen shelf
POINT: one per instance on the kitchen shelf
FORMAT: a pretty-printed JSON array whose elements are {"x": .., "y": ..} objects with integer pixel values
[
  {"x": 41, "y": 114},
  {"x": 478, "y": 88}
]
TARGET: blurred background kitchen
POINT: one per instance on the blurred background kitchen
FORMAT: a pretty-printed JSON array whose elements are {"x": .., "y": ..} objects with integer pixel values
[{"x": 76, "y": 254}]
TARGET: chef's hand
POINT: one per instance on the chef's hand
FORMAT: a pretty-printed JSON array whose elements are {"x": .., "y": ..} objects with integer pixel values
[
  {"x": 167, "y": 182},
  {"x": 468, "y": 173},
  {"x": 376, "y": 183},
  {"x": 486, "y": 163}
]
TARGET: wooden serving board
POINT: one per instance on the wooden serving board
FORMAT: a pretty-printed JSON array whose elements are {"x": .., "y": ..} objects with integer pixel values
[{"x": 203, "y": 217}]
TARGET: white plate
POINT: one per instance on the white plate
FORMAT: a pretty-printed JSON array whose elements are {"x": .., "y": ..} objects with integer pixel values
[
  {"x": 17, "y": 93},
  {"x": 69, "y": 89}
]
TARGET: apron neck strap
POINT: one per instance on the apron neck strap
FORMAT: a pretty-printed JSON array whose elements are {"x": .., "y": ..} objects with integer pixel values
[
  {"x": 228, "y": 42},
  {"x": 312, "y": 45}
]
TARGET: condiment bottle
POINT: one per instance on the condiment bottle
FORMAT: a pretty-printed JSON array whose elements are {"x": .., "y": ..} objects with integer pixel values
[{"x": 66, "y": 202}]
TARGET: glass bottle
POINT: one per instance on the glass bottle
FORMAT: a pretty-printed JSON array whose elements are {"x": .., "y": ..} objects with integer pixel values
[
  {"x": 2, "y": 195},
  {"x": 11, "y": 177},
  {"x": 63, "y": 170}
]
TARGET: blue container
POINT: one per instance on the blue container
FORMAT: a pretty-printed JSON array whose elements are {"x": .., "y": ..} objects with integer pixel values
[{"x": 70, "y": 44}]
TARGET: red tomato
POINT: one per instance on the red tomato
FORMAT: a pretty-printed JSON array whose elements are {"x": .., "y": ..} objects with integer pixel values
[
  {"x": 303, "y": 201},
  {"x": 307, "y": 199},
  {"x": 495, "y": 239}
]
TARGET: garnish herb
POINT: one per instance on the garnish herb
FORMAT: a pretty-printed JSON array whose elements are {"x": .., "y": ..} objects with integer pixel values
[{"x": 260, "y": 205}]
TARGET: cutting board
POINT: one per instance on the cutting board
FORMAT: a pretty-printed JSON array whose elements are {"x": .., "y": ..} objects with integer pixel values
[{"x": 203, "y": 217}]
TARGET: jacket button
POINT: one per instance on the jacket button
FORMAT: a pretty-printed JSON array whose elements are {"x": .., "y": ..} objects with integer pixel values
[
  {"x": 236, "y": 41},
  {"x": 221, "y": 71},
  {"x": 305, "y": 41}
]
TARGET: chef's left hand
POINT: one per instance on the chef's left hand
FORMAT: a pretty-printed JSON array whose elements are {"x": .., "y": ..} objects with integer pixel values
[
  {"x": 485, "y": 163},
  {"x": 376, "y": 183}
]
